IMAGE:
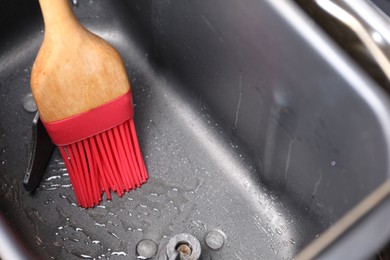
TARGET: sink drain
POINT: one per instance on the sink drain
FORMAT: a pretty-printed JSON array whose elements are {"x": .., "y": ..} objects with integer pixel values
[{"x": 183, "y": 247}]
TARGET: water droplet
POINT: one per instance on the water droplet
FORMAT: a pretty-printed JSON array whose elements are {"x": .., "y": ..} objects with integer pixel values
[
  {"x": 75, "y": 3},
  {"x": 53, "y": 177},
  {"x": 333, "y": 163},
  {"x": 119, "y": 253},
  {"x": 39, "y": 240},
  {"x": 48, "y": 201},
  {"x": 113, "y": 234}
]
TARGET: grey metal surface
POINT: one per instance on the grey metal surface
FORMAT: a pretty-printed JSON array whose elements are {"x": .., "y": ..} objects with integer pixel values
[
  {"x": 350, "y": 237},
  {"x": 250, "y": 119},
  {"x": 298, "y": 97}
]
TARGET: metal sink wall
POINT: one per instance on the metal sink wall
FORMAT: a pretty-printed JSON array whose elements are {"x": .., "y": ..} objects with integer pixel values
[{"x": 250, "y": 119}]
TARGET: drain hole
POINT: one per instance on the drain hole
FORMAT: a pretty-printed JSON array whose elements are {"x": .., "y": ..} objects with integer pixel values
[{"x": 184, "y": 248}]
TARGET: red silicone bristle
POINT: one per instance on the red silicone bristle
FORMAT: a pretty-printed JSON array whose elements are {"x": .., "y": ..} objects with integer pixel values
[
  {"x": 92, "y": 171},
  {"x": 71, "y": 173},
  {"x": 118, "y": 160},
  {"x": 112, "y": 163},
  {"x": 129, "y": 156},
  {"x": 78, "y": 177},
  {"x": 104, "y": 183},
  {"x": 132, "y": 157},
  {"x": 109, "y": 161},
  {"x": 135, "y": 143},
  {"x": 125, "y": 174},
  {"x": 82, "y": 174},
  {"x": 87, "y": 173},
  {"x": 105, "y": 170}
]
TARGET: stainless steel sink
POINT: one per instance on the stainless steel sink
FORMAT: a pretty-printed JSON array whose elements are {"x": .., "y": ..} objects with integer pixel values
[{"x": 252, "y": 122}]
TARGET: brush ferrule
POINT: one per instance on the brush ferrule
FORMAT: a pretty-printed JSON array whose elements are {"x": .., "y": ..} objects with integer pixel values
[{"x": 92, "y": 122}]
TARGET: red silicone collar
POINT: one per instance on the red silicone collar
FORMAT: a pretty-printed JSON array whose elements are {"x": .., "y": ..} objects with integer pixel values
[{"x": 90, "y": 123}]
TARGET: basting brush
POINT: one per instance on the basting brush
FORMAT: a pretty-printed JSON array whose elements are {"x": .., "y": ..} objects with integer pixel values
[{"x": 83, "y": 95}]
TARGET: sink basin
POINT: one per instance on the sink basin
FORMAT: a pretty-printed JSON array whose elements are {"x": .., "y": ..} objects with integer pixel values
[{"x": 251, "y": 120}]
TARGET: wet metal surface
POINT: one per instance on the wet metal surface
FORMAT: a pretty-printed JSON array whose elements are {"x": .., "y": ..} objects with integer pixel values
[
  {"x": 183, "y": 194},
  {"x": 188, "y": 155}
]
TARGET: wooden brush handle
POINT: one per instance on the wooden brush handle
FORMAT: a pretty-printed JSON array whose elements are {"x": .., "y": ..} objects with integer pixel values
[{"x": 75, "y": 70}]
